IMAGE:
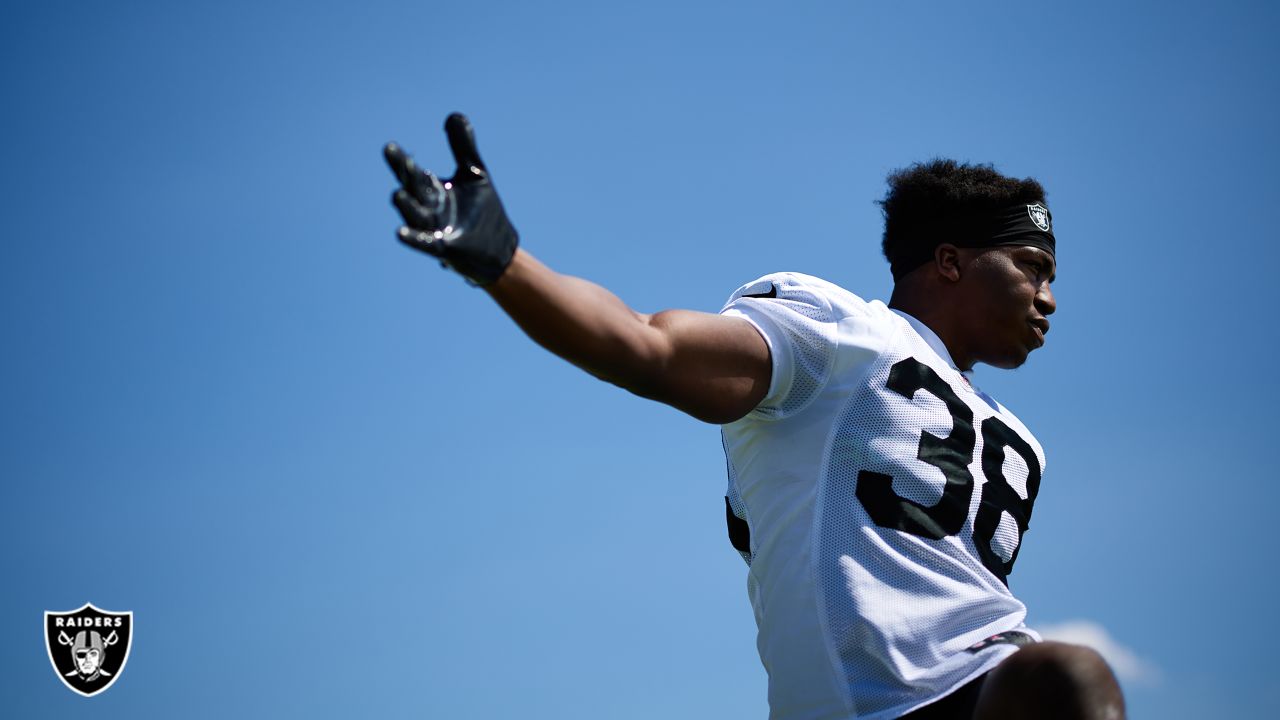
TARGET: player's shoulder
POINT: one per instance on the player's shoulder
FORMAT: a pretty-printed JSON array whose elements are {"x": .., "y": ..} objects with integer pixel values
[{"x": 806, "y": 290}]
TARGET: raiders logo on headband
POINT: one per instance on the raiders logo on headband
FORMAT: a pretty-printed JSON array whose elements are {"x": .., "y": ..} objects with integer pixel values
[
  {"x": 88, "y": 647},
  {"x": 1039, "y": 215}
]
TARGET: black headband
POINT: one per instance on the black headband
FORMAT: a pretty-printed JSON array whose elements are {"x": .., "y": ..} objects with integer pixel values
[{"x": 1019, "y": 225}]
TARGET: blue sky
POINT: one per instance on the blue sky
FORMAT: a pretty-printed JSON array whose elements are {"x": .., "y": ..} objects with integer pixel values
[{"x": 329, "y": 478}]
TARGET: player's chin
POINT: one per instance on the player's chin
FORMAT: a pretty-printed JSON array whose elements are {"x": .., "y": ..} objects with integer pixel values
[{"x": 1010, "y": 359}]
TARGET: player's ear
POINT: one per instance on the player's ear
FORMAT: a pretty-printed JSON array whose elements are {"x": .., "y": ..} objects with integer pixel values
[{"x": 946, "y": 259}]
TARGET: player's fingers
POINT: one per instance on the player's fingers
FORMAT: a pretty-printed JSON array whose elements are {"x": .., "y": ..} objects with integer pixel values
[
  {"x": 398, "y": 160},
  {"x": 422, "y": 184},
  {"x": 414, "y": 214},
  {"x": 462, "y": 141},
  {"x": 419, "y": 240},
  {"x": 427, "y": 188}
]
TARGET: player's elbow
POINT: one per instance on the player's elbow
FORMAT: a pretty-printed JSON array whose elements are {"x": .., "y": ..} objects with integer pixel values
[
  {"x": 634, "y": 356},
  {"x": 646, "y": 363}
]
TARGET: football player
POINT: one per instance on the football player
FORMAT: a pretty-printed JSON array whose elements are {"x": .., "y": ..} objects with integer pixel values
[{"x": 878, "y": 496}]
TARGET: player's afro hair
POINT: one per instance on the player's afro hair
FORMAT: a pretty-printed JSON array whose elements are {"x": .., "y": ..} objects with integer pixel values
[{"x": 929, "y": 202}]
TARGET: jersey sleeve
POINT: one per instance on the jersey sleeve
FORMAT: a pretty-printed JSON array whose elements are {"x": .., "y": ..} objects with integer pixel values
[{"x": 797, "y": 322}]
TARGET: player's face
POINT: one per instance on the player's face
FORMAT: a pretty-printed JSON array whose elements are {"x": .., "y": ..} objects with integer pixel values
[{"x": 1008, "y": 300}]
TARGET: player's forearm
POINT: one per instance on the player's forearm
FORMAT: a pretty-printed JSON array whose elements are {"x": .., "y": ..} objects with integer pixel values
[
  {"x": 714, "y": 368},
  {"x": 581, "y": 322}
]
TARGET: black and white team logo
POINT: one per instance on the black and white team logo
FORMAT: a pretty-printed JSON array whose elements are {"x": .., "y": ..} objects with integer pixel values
[
  {"x": 1039, "y": 215},
  {"x": 88, "y": 647}
]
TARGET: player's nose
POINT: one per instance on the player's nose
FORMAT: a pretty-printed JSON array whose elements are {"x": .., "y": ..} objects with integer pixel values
[{"x": 1045, "y": 302}]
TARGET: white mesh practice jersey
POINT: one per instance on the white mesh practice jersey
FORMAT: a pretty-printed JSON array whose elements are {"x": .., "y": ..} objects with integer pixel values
[{"x": 879, "y": 500}]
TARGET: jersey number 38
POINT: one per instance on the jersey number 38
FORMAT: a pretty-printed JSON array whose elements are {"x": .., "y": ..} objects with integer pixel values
[{"x": 952, "y": 455}]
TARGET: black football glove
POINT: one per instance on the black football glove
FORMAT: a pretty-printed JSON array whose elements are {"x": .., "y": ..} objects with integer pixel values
[{"x": 459, "y": 221}]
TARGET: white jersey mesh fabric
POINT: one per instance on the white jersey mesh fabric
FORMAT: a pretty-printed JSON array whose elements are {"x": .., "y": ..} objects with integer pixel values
[{"x": 885, "y": 500}]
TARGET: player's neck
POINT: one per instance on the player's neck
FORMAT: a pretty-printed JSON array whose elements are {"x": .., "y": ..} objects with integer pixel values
[{"x": 936, "y": 317}]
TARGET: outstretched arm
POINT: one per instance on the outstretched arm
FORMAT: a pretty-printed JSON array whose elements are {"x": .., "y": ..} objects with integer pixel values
[{"x": 712, "y": 367}]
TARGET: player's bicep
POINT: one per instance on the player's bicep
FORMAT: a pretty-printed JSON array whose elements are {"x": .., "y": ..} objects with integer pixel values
[
  {"x": 799, "y": 325},
  {"x": 714, "y": 367}
]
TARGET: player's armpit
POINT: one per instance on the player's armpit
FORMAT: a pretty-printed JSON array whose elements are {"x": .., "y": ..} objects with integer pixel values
[{"x": 713, "y": 367}]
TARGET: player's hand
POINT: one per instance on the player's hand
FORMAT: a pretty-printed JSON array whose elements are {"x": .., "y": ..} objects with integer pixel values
[{"x": 460, "y": 221}]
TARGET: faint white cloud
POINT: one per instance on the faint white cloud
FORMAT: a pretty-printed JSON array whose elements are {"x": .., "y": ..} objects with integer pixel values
[{"x": 1126, "y": 663}]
